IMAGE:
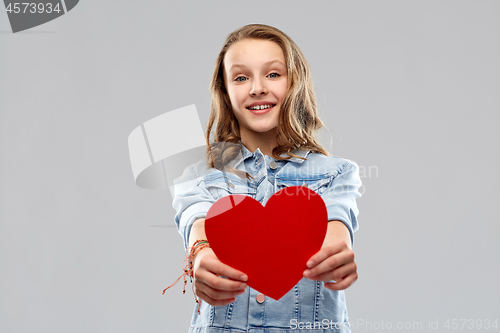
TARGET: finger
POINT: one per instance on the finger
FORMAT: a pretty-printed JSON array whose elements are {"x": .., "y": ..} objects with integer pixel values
[
  {"x": 321, "y": 255},
  {"x": 337, "y": 274},
  {"x": 342, "y": 284},
  {"x": 326, "y": 252},
  {"x": 330, "y": 263},
  {"x": 342, "y": 272},
  {"x": 219, "y": 268},
  {"x": 215, "y": 302},
  {"x": 215, "y": 282},
  {"x": 215, "y": 293}
]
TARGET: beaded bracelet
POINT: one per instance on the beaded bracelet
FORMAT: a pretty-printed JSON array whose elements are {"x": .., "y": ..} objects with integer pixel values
[{"x": 188, "y": 268}]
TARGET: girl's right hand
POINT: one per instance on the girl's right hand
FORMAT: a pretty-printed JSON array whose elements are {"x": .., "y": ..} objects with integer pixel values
[{"x": 209, "y": 286}]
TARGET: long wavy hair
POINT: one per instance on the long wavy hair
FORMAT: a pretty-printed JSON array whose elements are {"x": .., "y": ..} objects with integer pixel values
[{"x": 298, "y": 117}]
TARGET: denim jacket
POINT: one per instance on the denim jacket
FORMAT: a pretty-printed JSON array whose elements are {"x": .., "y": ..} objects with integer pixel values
[{"x": 308, "y": 306}]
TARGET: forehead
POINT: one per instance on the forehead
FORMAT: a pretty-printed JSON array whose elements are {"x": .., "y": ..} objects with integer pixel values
[{"x": 252, "y": 53}]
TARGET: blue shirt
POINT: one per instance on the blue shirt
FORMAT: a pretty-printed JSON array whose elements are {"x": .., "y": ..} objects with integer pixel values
[{"x": 308, "y": 306}]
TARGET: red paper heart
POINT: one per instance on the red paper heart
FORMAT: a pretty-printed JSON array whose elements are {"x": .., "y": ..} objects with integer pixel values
[{"x": 270, "y": 244}]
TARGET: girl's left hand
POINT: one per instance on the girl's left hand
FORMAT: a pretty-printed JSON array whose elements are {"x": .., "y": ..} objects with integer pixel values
[{"x": 334, "y": 261}]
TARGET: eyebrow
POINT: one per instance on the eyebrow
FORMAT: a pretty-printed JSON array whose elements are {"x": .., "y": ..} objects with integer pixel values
[{"x": 265, "y": 64}]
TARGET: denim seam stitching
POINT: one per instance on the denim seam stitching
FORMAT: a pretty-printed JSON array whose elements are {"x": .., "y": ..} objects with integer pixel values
[
  {"x": 316, "y": 300},
  {"x": 229, "y": 312},
  {"x": 297, "y": 301}
]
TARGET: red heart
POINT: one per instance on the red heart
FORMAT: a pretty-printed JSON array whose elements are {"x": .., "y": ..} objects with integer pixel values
[{"x": 270, "y": 244}]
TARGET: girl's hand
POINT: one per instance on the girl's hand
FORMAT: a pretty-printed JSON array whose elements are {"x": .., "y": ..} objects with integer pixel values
[
  {"x": 209, "y": 286},
  {"x": 334, "y": 261}
]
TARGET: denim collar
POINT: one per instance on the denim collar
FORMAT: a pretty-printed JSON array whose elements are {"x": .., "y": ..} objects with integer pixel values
[{"x": 299, "y": 152}]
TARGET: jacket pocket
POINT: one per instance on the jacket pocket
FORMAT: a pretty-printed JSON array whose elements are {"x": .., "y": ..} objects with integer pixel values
[
  {"x": 220, "y": 185},
  {"x": 316, "y": 183}
]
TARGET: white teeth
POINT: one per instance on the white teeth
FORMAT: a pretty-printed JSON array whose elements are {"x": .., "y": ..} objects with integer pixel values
[{"x": 260, "y": 107}]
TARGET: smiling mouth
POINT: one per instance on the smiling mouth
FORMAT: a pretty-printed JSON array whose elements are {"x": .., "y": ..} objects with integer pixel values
[{"x": 261, "y": 107}]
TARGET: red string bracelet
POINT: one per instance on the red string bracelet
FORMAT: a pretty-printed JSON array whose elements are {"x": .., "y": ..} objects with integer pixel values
[{"x": 188, "y": 268}]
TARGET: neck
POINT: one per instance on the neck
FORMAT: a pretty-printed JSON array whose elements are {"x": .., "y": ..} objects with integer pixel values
[{"x": 264, "y": 141}]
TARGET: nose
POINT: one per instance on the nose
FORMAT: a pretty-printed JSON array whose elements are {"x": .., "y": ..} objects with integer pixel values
[{"x": 258, "y": 87}]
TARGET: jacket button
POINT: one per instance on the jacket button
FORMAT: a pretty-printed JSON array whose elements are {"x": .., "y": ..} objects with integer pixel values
[
  {"x": 260, "y": 298},
  {"x": 273, "y": 165}
]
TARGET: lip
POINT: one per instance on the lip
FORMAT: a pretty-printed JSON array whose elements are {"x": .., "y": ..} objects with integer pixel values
[
  {"x": 259, "y": 112},
  {"x": 260, "y": 103}
]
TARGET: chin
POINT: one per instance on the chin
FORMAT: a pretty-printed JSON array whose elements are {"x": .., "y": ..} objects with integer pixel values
[{"x": 264, "y": 129}]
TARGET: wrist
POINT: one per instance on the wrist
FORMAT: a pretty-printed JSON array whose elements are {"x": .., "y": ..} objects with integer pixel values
[{"x": 197, "y": 255}]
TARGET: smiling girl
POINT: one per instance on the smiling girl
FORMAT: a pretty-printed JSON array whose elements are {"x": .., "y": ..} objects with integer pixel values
[{"x": 264, "y": 109}]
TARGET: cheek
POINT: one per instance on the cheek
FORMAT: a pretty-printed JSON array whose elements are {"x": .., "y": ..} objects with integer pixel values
[
  {"x": 284, "y": 90},
  {"x": 237, "y": 113},
  {"x": 281, "y": 90},
  {"x": 234, "y": 97}
]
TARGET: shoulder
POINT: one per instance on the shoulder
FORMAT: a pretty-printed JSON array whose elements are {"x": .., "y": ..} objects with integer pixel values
[
  {"x": 332, "y": 165},
  {"x": 195, "y": 171}
]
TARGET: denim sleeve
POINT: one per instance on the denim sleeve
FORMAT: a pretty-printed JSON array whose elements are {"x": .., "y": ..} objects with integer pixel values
[
  {"x": 191, "y": 201},
  {"x": 341, "y": 194}
]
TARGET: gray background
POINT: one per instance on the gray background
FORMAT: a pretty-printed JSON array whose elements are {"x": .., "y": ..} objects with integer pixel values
[{"x": 408, "y": 88}]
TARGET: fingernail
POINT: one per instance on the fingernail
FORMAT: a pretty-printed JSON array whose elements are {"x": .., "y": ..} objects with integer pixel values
[
  {"x": 307, "y": 273},
  {"x": 244, "y": 278},
  {"x": 309, "y": 263},
  {"x": 243, "y": 286}
]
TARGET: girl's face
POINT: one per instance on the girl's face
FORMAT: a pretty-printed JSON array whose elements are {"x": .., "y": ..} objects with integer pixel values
[{"x": 255, "y": 75}]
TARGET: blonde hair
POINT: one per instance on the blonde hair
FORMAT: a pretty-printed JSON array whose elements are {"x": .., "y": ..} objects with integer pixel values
[{"x": 298, "y": 119}]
